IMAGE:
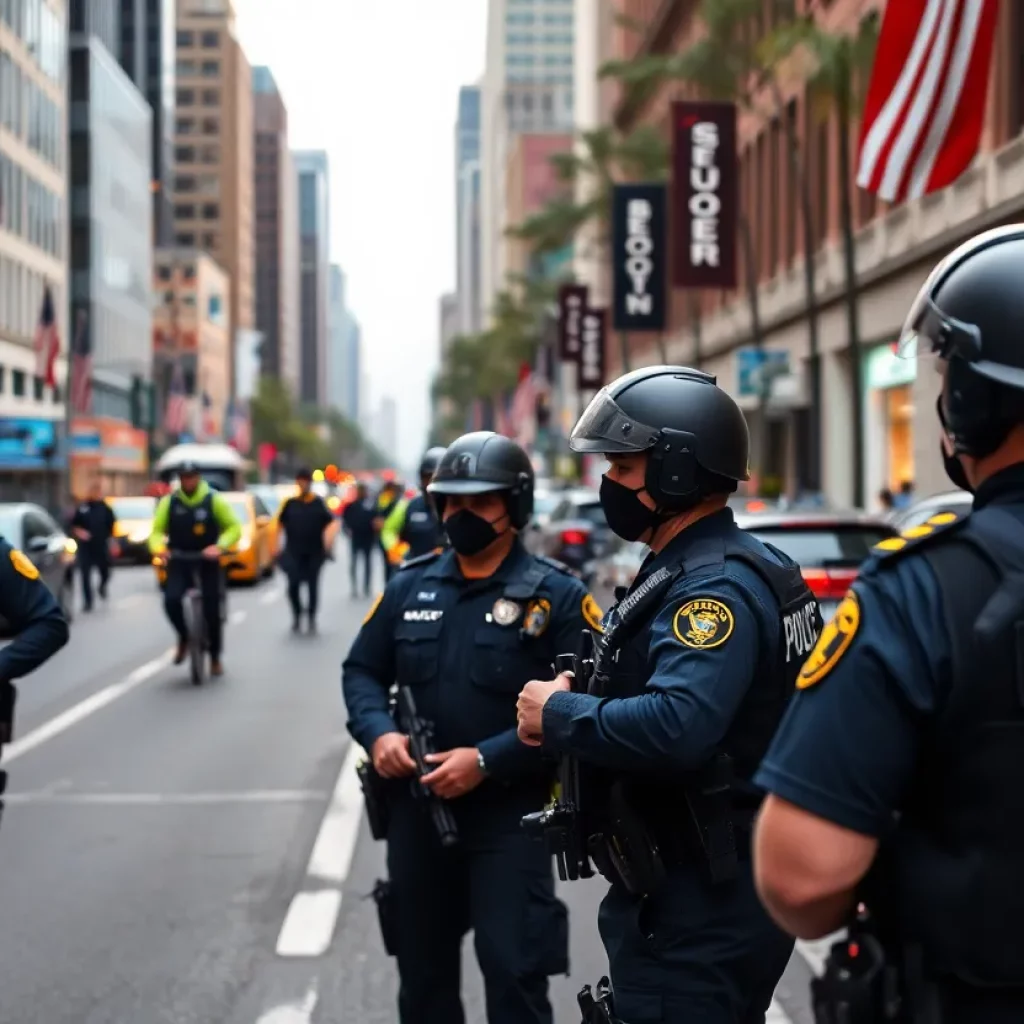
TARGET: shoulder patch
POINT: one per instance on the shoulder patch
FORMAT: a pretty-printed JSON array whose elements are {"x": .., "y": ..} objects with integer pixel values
[
  {"x": 940, "y": 524},
  {"x": 592, "y": 613},
  {"x": 833, "y": 642},
  {"x": 430, "y": 556},
  {"x": 373, "y": 608},
  {"x": 22, "y": 565},
  {"x": 555, "y": 564},
  {"x": 703, "y": 623}
]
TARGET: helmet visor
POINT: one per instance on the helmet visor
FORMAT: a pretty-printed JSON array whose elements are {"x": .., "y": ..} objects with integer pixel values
[
  {"x": 605, "y": 429},
  {"x": 466, "y": 486},
  {"x": 927, "y": 330}
]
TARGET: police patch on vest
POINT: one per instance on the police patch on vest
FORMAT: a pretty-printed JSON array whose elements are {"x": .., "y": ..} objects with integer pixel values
[
  {"x": 703, "y": 622},
  {"x": 538, "y": 617},
  {"x": 833, "y": 643},
  {"x": 801, "y": 631},
  {"x": 22, "y": 565},
  {"x": 373, "y": 607},
  {"x": 422, "y": 615},
  {"x": 505, "y": 612},
  {"x": 592, "y": 613}
]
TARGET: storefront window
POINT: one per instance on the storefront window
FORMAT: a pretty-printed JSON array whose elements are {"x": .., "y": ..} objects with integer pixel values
[{"x": 899, "y": 410}]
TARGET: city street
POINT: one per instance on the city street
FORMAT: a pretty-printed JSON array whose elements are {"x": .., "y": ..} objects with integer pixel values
[{"x": 175, "y": 855}]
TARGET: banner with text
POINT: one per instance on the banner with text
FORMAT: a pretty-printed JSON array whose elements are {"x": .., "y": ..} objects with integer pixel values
[
  {"x": 590, "y": 375},
  {"x": 705, "y": 195},
  {"x": 639, "y": 257},
  {"x": 572, "y": 301}
]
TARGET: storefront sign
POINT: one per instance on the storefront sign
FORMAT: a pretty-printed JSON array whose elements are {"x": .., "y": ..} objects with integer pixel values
[
  {"x": 572, "y": 301},
  {"x": 887, "y": 369},
  {"x": 639, "y": 257},
  {"x": 114, "y": 446},
  {"x": 592, "y": 336},
  {"x": 705, "y": 195},
  {"x": 757, "y": 368},
  {"x": 28, "y": 444}
]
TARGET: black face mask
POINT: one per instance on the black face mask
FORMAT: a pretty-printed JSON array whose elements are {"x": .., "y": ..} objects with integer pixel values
[
  {"x": 469, "y": 533},
  {"x": 627, "y": 515},
  {"x": 950, "y": 463}
]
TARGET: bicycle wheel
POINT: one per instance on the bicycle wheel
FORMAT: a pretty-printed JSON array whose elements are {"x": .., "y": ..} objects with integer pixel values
[{"x": 196, "y": 637}]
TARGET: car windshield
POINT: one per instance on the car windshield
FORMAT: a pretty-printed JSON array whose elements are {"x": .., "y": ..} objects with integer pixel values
[
  {"x": 133, "y": 508},
  {"x": 240, "y": 506},
  {"x": 543, "y": 504},
  {"x": 270, "y": 497},
  {"x": 831, "y": 545},
  {"x": 10, "y": 525}
]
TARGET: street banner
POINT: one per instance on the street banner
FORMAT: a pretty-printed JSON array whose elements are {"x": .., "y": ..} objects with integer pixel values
[
  {"x": 705, "y": 195},
  {"x": 639, "y": 257},
  {"x": 572, "y": 301},
  {"x": 590, "y": 368}
]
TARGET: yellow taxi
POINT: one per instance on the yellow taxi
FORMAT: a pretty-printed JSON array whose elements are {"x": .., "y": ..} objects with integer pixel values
[
  {"x": 252, "y": 558},
  {"x": 134, "y": 523}
]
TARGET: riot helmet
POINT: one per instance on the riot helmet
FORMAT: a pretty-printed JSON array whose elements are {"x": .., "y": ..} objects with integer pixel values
[
  {"x": 484, "y": 461},
  {"x": 970, "y": 313},
  {"x": 430, "y": 460},
  {"x": 694, "y": 432}
]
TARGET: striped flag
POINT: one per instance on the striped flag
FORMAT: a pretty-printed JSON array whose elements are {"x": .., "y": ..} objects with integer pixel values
[
  {"x": 81, "y": 366},
  {"x": 207, "y": 418},
  {"x": 524, "y": 404},
  {"x": 926, "y": 102},
  {"x": 241, "y": 429},
  {"x": 176, "y": 409},
  {"x": 46, "y": 342}
]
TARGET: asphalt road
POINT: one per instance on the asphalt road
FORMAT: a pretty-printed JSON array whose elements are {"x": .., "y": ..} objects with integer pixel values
[{"x": 174, "y": 855}]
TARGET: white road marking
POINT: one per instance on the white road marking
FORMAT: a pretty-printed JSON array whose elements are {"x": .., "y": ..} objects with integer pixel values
[
  {"x": 271, "y": 596},
  {"x": 260, "y": 796},
  {"x": 237, "y": 616},
  {"x": 299, "y": 1012},
  {"x": 313, "y": 914},
  {"x": 83, "y": 709}
]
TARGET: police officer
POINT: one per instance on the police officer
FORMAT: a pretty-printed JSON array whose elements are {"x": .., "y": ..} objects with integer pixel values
[
  {"x": 387, "y": 500},
  {"x": 306, "y": 519},
  {"x": 196, "y": 519},
  {"x": 464, "y": 630},
  {"x": 897, "y": 777},
  {"x": 413, "y": 528},
  {"x": 695, "y": 668},
  {"x": 93, "y": 527}
]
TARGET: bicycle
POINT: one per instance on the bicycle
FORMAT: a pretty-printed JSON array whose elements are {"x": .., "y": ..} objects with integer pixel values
[{"x": 195, "y": 620}]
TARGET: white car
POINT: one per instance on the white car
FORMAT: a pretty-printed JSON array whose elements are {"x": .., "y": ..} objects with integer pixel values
[{"x": 921, "y": 511}]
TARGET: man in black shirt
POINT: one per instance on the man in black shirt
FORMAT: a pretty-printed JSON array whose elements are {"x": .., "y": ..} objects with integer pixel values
[
  {"x": 357, "y": 520},
  {"x": 93, "y": 526},
  {"x": 305, "y": 519}
]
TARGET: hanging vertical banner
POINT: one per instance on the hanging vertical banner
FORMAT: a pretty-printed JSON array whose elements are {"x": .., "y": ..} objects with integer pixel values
[
  {"x": 590, "y": 374},
  {"x": 639, "y": 257},
  {"x": 572, "y": 301},
  {"x": 705, "y": 195}
]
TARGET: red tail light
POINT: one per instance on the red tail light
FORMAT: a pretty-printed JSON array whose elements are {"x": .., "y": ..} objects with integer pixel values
[
  {"x": 829, "y": 584},
  {"x": 574, "y": 537}
]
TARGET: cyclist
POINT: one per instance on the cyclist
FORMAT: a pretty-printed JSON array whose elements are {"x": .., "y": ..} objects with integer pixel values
[{"x": 194, "y": 518}]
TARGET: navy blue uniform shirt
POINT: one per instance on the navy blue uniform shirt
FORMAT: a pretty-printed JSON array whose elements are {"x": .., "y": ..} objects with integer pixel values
[
  {"x": 693, "y": 692},
  {"x": 847, "y": 748},
  {"x": 32, "y": 612},
  {"x": 466, "y": 650}
]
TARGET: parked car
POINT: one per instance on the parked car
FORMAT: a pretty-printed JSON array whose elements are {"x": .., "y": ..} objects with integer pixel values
[
  {"x": 134, "y": 525},
  {"x": 958, "y": 502},
  {"x": 576, "y": 532},
  {"x": 32, "y": 529}
]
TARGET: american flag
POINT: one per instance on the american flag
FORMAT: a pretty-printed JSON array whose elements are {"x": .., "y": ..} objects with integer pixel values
[
  {"x": 207, "y": 418},
  {"x": 926, "y": 102},
  {"x": 46, "y": 342},
  {"x": 176, "y": 409},
  {"x": 502, "y": 420},
  {"x": 240, "y": 436},
  {"x": 81, "y": 366}
]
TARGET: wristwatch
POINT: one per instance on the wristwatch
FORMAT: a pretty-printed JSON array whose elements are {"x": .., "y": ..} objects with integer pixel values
[{"x": 481, "y": 763}]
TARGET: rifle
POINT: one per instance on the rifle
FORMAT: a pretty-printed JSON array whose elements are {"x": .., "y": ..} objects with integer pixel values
[
  {"x": 597, "y": 1007},
  {"x": 562, "y": 824},
  {"x": 421, "y": 743}
]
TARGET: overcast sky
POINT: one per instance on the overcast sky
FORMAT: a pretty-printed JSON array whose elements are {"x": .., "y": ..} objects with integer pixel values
[{"x": 376, "y": 85}]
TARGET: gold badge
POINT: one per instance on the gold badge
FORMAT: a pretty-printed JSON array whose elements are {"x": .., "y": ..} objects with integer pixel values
[
  {"x": 505, "y": 612},
  {"x": 833, "y": 643},
  {"x": 538, "y": 616},
  {"x": 592, "y": 613},
  {"x": 373, "y": 607},
  {"x": 22, "y": 566},
  {"x": 703, "y": 622}
]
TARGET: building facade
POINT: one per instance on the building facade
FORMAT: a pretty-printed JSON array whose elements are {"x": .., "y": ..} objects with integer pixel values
[
  {"x": 33, "y": 242},
  {"x": 110, "y": 253},
  {"x": 353, "y": 394},
  {"x": 314, "y": 263},
  {"x": 147, "y": 54},
  {"x": 385, "y": 433},
  {"x": 192, "y": 340},
  {"x": 277, "y": 233},
  {"x": 467, "y": 209},
  {"x": 337, "y": 330},
  {"x": 213, "y": 192}
]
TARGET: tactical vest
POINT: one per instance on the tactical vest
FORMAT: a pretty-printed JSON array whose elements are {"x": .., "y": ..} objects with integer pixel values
[
  {"x": 950, "y": 874},
  {"x": 191, "y": 528},
  {"x": 721, "y": 794},
  {"x": 421, "y": 530}
]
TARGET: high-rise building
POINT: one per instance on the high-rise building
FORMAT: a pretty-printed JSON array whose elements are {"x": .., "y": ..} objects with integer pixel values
[
  {"x": 337, "y": 330},
  {"x": 33, "y": 249},
  {"x": 277, "y": 233},
  {"x": 353, "y": 405},
  {"x": 385, "y": 433},
  {"x": 467, "y": 209},
  {"x": 528, "y": 86},
  {"x": 213, "y": 188},
  {"x": 100, "y": 19},
  {"x": 111, "y": 248},
  {"x": 147, "y": 54},
  {"x": 314, "y": 261}
]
